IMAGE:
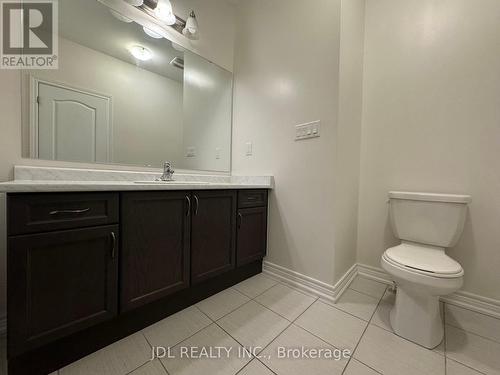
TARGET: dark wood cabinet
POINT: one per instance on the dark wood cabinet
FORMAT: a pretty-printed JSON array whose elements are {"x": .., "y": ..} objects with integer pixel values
[
  {"x": 87, "y": 269},
  {"x": 59, "y": 283},
  {"x": 155, "y": 246},
  {"x": 213, "y": 234},
  {"x": 252, "y": 235}
]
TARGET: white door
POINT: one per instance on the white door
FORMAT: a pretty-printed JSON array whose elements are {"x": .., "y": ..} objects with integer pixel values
[{"x": 73, "y": 125}]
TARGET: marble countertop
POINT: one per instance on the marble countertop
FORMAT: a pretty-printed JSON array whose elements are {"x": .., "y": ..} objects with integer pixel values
[{"x": 43, "y": 179}]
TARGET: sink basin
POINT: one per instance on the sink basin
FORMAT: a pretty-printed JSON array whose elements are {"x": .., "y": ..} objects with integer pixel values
[{"x": 172, "y": 182}]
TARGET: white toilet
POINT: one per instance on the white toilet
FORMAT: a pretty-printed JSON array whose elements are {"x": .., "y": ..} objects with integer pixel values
[{"x": 427, "y": 224}]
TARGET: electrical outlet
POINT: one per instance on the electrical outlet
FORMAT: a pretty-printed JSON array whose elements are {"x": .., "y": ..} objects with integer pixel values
[
  {"x": 217, "y": 153},
  {"x": 307, "y": 131},
  {"x": 191, "y": 152}
]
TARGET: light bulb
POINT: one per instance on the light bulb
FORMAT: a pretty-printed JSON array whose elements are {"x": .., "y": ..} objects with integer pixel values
[
  {"x": 151, "y": 33},
  {"x": 141, "y": 53},
  {"x": 191, "y": 29},
  {"x": 164, "y": 12}
]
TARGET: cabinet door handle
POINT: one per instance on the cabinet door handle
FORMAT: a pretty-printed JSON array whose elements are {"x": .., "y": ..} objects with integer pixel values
[
  {"x": 240, "y": 219},
  {"x": 80, "y": 211},
  {"x": 113, "y": 245},
  {"x": 188, "y": 201},
  {"x": 197, "y": 204}
]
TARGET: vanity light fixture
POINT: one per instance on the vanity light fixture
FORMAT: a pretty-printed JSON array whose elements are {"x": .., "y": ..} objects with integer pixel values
[
  {"x": 164, "y": 12},
  {"x": 141, "y": 53},
  {"x": 151, "y": 33},
  {"x": 136, "y": 3},
  {"x": 191, "y": 30}
]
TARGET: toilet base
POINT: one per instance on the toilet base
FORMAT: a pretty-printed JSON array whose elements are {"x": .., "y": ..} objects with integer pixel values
[{"x": 417, "y": 317}]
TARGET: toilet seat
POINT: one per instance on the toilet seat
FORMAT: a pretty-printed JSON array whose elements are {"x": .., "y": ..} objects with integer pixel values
[{"x": 425, "y": 260}]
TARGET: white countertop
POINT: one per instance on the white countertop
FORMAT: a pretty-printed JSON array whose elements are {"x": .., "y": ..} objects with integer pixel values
[
  {"x": 43, "y": 179},
  {"x": 33, "y": 186}
]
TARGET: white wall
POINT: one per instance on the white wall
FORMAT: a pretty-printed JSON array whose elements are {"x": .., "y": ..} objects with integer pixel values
[
  {"x": 349, "y": 133},
  {"x": 147, "y": 120},
  {"x": 431, "y": 122},
  {"x": 286, "y": 73}
]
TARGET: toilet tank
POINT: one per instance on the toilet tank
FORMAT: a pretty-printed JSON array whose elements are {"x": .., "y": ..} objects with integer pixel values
[{"x": 427, "y": 218}]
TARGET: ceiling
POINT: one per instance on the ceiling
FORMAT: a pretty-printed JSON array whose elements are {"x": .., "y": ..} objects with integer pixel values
[{"x": 91, "y": 24}]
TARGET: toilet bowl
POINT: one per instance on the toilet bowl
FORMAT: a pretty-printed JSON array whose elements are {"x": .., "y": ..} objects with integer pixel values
[{"x": 427, "y": 224}]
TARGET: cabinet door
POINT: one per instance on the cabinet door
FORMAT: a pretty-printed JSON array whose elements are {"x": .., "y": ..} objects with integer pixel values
[
  {"x": 59, "y": 283},
  {"x": 155, "y": 246},
  {"x": 252, "y": 235},
  {"x": 213, "y": 234}
]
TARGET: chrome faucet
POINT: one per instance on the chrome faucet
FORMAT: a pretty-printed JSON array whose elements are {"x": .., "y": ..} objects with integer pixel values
[{"x": 168, "y": 172}]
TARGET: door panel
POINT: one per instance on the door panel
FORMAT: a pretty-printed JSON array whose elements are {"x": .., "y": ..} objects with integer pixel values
[
  {"x": 155, "y": 246},
  {"x": 72, "y": 125},
  {"x": 252, "y": 235},
  {"x": 213, "y": 241},
  {"x": 59, "y": 283}
]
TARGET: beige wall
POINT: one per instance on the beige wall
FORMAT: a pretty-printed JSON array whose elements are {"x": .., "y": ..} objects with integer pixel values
[
  {"x": 286, "y": 74},
  {"x": 348, "y": 133},
  {"x": 431, "y": 122}
]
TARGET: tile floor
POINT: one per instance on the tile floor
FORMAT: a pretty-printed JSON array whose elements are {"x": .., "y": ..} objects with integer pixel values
[{"x": 265, "y": 314}]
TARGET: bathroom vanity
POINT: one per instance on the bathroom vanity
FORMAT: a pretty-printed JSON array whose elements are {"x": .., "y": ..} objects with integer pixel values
[{"x": 92, "y": 262}]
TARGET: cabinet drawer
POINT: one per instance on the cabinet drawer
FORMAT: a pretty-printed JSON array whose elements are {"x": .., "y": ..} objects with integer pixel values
[
  {"x": 33, "y": 213},
  {"x": 252, "y": 198}
]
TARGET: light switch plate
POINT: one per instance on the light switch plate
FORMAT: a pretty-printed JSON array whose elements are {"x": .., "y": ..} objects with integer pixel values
[
  {"x": 249, "y": 149},
  {"x": 307, "y": 131}
]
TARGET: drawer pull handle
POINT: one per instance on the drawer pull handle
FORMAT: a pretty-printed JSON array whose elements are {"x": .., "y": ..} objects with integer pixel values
[
  {"x": 251, "y": 198},
  {"x": 57, "y": 212},
  {"x": 240, "y": 219},
  {"x": 197, "y": 204},
  {"x": 188, "y": 201},
  {"x": 113, "y": 245}
]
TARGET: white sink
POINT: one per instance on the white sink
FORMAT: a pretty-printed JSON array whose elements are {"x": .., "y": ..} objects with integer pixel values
[{"x": 172, "y": 182}]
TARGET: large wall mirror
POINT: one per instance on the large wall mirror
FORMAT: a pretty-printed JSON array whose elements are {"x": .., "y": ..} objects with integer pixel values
[{"x": 121, "y": 95}]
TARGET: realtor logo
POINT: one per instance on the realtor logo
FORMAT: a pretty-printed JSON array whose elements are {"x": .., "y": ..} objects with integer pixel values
[{"x": 29, "y": 34}]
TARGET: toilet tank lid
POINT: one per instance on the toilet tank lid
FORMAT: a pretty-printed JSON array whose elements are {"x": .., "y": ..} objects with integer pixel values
[{"x": 430, "y": 197}]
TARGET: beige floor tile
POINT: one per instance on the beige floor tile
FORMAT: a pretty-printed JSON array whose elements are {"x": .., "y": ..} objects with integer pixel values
[
  {"x": 222, "y": 303},
  {"x": 473, "y": 322},
  {"x": 391, "y": 355},
  {"x": 357, "y": 368},
  {"x": 255, "y": 285},
  {"x": 119, "y": 358},
  {"x": 472, "y": 350},
  {"x": 253, "y": 325},
  {"x": 285, "y": 301},
  {"x": 332, "y": 325},
  {"x": 357, "y": 304},
  {"x": 381, "y": 316},
  {"x": 225, "y": 362},
  {"x": 172, "y": 330},
  {"x": 295, "y": 338},
  {"x": 455, "y": 368},
  {"x": 150, "y": 368},
  {"x": 255, "y": 368},
  {"x": 367, "y": 286}
]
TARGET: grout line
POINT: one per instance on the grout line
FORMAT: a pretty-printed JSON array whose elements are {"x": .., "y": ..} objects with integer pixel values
[
  {"x": 472, "y": 333},
  {"x": 345, "y": 312},
  {"x": 266, "y": 366},
  {"x": 444, "y": 339},
  {"x": 272, "y": 286},
  {"x": 161, "y": 364},
  {"x": 361, "y": 337},
  {"x": 463, "y": 364}
]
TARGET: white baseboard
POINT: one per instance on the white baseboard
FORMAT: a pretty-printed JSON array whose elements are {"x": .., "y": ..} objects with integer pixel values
[
  {"x": 302, "y": 282},
  {"x": 469, "y": 301},
  {"x": 332, "y": 293}
]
